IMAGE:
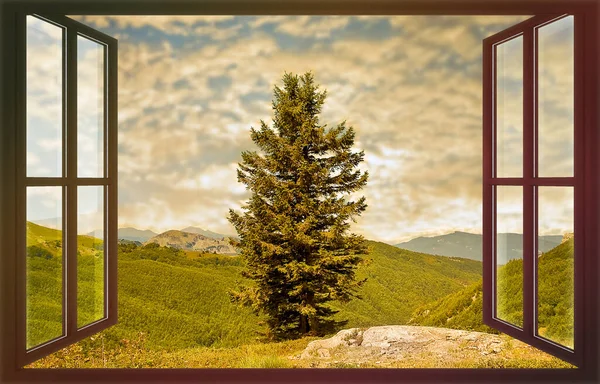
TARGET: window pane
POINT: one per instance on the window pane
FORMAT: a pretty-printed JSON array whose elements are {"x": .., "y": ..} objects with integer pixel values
[
  {"x": 509, "y": 108},
  {"x": 90, "y": 255},
  {"x": 556, "y": 99},
  {"x": 509, "y": 254},
  {"x": 44, "y": 98},
  {"x": 90, "y": 108},
  {"x": 555, "y": 272},
  {"x": 44, "y": 265}
]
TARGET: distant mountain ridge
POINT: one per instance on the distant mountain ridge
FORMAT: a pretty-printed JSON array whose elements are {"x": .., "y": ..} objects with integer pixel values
[
  {"x": 469, "y": 245},
  {"x": 192, "y": 242},
  {"x": 204, "y": 232},
  {"x": 143, "y": 235},
  {"x": 129, "y": 233}
]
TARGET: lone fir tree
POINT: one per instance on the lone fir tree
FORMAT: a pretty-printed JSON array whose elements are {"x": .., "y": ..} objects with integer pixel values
[{"x": 294, "y": 228}]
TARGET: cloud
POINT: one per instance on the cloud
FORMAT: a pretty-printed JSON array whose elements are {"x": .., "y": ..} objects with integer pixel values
[
  {"x": 173, "y": 25},
  {"x": 413, "y": 95},
  {"x": 315, "y": 27}
]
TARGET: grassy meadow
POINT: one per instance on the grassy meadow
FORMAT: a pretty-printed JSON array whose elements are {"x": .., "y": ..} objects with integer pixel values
[{"x": 175, "y": 311}]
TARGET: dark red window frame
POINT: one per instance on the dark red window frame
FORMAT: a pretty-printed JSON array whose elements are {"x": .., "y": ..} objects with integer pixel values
[
  {"x": 587, "y": 372},
  {"x": 529, "y": 182},
  {"x": 69, "y": 183}
]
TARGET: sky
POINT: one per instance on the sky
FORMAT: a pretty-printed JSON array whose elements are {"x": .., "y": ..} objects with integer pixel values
[{"x": 190, "y": 88}]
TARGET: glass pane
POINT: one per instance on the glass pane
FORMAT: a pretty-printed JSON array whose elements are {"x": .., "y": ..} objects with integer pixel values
[
  {"x": 44, "y": 98},
  {"x": 90, "y": 254},
  {"x": 556, "y": 99},
  {"x": 556, "y": 286},
  {"x": 90, "y": 108},
  {"x": 44, "y": 265},
  {"x": 509, "y": 254},
  {"x": 509, "y": 108}
]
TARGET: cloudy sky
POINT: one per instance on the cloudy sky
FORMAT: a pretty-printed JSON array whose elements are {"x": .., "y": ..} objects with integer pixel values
[{"x": 190, "y": 88}]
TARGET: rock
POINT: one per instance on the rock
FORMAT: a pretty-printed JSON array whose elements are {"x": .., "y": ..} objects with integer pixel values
[
  {"x": 383, "y": 335},
  {"x": 343, "y": 337},
  {"x": 395, "y": 342}
]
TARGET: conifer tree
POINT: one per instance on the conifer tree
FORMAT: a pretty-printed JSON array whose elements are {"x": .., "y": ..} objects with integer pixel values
[{"x": 294, "y": 228}]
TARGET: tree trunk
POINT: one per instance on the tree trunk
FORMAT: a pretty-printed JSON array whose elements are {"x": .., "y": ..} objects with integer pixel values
[
  {"x": 313, "y": 321},
  {"x": 303, "y": 324},
  {"x": 313, "y": 325}
]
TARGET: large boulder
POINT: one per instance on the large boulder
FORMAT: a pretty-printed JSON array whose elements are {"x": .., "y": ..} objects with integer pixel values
[{"x": 399, "y": 341}]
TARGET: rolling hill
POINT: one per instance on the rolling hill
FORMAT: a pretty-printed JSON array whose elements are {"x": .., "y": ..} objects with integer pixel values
[
  {"x": 192, "y": 242},
  {"x": 174, "y": 305},
  {"x": 463, "y": 309},
  {"x": 180, "y": 298},
  {"x": 469, "y": 245}
]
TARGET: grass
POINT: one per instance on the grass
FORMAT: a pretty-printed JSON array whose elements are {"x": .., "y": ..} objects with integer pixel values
[
  {"x": 135, "y": 353},
  {"x": 174, "y": 307}
]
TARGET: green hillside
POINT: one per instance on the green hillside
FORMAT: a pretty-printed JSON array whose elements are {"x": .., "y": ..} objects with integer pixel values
[
  {"x": 44, "y": 282},
  {"x": 399, "y": 281},
  {"x": 174, "y": 310},
  {"x": 180, "y": 299},
  {"x": 462, "y": 310}
]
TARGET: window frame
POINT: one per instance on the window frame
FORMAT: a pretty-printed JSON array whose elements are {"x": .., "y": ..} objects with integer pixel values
[
  {"x": 529, "y": 182},
  {"x": 69, "y": 181},
  {"x": 587, "y": 372}
]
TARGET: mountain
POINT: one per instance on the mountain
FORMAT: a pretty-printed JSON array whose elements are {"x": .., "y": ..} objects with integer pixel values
[
  {"x": 128, "y": 233},
  {"x": 204, "y": 232},
  {"x": 469, "y": 245},
  {"x": 134, "y": 234},
  {"x": 192, "y": 242}
]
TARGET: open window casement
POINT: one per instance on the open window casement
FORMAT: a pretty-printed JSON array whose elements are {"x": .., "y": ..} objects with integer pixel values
[
  {"x": 533, "y": 178},
  {"x": 66, "y": 221}
]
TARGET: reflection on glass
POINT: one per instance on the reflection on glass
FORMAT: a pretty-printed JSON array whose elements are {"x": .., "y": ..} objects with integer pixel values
[
  {"x": 90, "y": 254},
  {"x": 44, "y": 265},
  {"x": 509, "y": 254},
  {"x": 556, "y": 99},
  {"x": 90, "y": 108},
  {"x": 44, "y": 98},
  {"x": 556, "y": 286},
  {"x": 509, "y": 108}
]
